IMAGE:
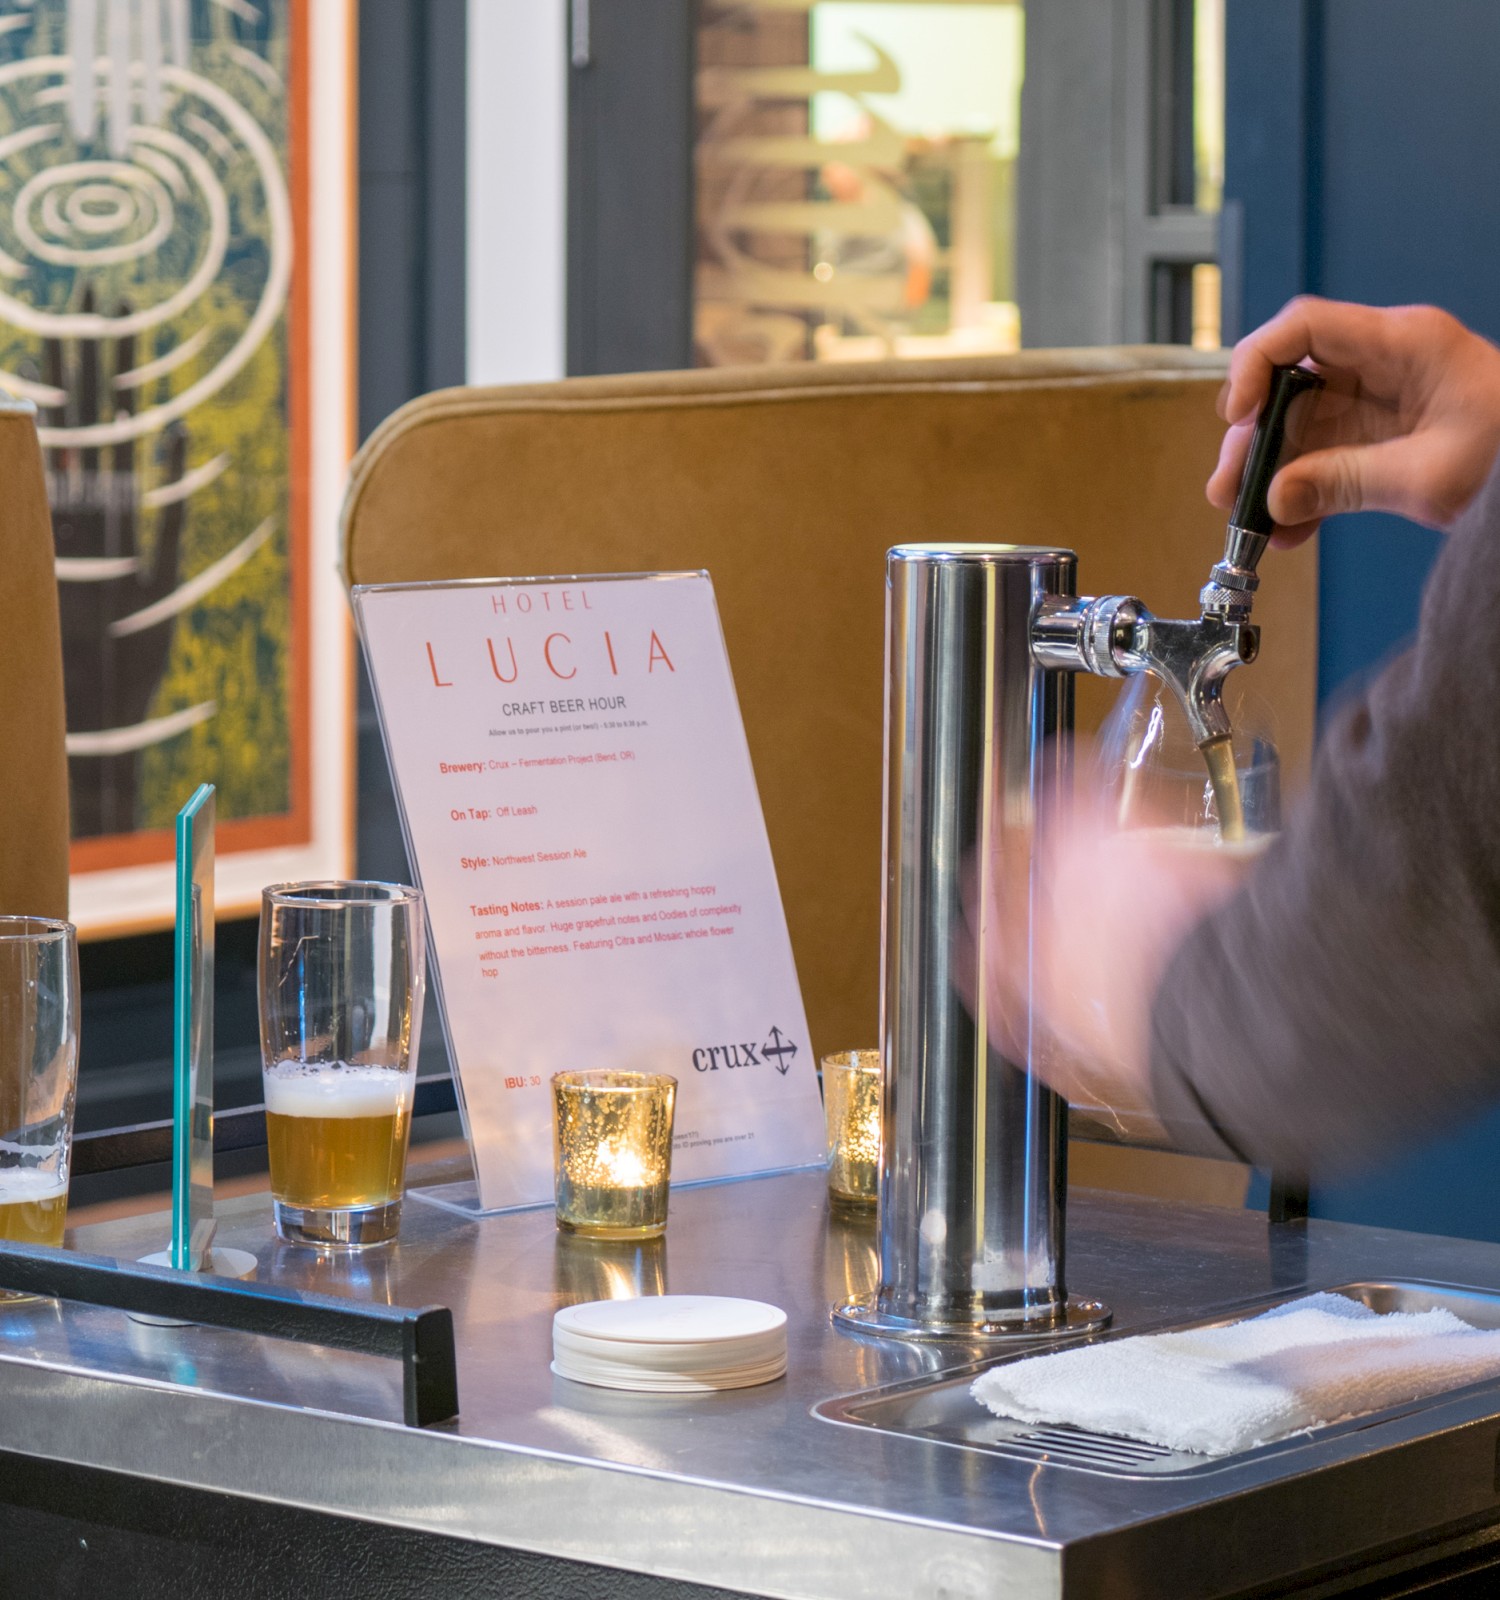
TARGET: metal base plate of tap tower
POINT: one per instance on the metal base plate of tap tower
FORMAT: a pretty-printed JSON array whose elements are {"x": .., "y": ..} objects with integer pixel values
[{"x": 1077, "y": 1316}]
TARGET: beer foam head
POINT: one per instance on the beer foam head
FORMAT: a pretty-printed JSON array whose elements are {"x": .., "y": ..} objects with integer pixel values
[
  {"x": 1206, "y": 838},
  {"x": 334, "y": 1089},
  {"x": 25, "y": 1186}
]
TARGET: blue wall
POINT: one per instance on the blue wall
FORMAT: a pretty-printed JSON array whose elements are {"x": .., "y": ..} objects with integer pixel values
[{"x": 1363, "y": 144}]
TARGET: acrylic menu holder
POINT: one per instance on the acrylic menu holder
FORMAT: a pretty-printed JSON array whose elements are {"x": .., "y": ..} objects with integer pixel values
[
  {"x": 579, "y": 806},
  {"x": 192, "y": 1248}
]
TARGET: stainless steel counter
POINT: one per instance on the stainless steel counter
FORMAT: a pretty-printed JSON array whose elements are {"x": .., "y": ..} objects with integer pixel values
[{"x": 749, "y": 1490}]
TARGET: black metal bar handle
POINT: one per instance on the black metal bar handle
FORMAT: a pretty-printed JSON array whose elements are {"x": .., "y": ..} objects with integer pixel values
[
  {"x": 421, "y": 1340},
  {"x": 1290, "y": 1199}
]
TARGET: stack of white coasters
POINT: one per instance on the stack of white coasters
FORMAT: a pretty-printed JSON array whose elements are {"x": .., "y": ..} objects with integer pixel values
[{"x": 670, "y": 1343}]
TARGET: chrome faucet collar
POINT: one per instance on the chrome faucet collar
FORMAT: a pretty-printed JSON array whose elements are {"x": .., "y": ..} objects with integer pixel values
[
  {"x": 1087, "y": 635},
  {"x": 1230, "y": 590}
]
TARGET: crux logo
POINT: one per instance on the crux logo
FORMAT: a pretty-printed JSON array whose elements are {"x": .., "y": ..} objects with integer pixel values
[{"x": 777, "y": 1050}]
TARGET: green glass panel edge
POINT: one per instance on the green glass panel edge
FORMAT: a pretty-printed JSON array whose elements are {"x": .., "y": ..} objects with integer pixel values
[{"x": 182, "y": 1032}]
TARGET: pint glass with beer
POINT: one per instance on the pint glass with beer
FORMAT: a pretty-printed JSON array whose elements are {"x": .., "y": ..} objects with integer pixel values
[
  {"x": 38, "y": 1076},
  {"x": 341, "y": 982},
  {"x": 1152, "y": 776}
]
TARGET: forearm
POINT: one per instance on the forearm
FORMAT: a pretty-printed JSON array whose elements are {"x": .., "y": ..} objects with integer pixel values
[{"x": 1348, "y": 997}]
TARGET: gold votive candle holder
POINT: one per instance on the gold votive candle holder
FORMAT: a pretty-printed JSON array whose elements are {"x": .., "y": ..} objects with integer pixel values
[
  {"x": 612, "y": 1143},
  {"x": 851, "y": 1104}
]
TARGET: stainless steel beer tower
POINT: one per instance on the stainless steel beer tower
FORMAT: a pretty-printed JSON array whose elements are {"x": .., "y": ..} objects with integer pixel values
[
  {"x": 982, "y": 642},
  {"x": 972, "y": 1190}
]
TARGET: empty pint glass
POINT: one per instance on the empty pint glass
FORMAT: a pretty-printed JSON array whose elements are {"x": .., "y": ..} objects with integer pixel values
[
  {"x": 341, "y": 984},
  {"x": 38, "y": 1076}
]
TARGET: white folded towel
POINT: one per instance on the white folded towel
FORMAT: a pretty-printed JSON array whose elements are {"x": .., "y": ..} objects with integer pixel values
[{"x": 1212, "y": 1391}]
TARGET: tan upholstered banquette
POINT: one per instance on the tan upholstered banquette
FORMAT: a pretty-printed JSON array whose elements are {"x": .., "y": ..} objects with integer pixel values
[
  {"x": 34, "y": 795},
  {"x": 788, "y": 484}
]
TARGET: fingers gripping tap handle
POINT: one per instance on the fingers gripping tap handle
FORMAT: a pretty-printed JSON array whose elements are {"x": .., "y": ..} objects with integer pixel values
[{"x": 1233, "y": 581}]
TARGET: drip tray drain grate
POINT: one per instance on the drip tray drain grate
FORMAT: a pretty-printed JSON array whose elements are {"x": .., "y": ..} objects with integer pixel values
[
  {"x": 939, "y": 1407},
  {"x": 1080, "y": 1448}
]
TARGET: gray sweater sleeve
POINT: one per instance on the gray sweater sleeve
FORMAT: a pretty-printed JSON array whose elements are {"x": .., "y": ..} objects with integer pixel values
[{"x": 1347, "y": 998}]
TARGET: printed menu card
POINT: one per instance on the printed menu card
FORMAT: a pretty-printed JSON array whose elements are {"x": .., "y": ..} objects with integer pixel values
[{"x": 580, "y": 810}]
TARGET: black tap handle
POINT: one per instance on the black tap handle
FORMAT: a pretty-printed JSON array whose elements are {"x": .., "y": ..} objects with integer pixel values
[{"x": 1250, "y": 509}]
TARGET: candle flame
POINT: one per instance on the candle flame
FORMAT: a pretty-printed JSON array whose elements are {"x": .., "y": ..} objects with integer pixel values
[{"x": 622, "y": 1165}]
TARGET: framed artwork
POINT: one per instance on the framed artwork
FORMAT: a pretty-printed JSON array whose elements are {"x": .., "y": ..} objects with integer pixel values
[{"x": 176, "y": 297}]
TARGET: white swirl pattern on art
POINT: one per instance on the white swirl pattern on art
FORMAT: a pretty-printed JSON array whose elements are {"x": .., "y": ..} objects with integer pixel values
[
  {"x": 134, "y": 196},
  {"x": 104, "y": 212}
]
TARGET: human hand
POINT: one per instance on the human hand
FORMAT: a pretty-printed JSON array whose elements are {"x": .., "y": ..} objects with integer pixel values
[
  {"x": 1409, "y": 422},
  {"x": 1105, "y": 910}
]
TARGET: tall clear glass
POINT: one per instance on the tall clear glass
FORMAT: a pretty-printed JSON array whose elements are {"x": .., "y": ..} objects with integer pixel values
[
  {"x": 1152, "y": 784},
  {"x": 1152, "y": 776},
  {"x": 342, "y": 976},
  {"x": 38, "y": 1076}
]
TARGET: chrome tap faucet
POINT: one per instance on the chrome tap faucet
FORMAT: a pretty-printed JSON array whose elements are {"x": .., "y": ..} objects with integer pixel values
[
  {"x": 982, "y": 644},
  {"x": 1115, "y": 635}
]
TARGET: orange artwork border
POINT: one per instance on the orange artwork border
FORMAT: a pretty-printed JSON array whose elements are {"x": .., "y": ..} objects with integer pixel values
[{"x": 151, "y": 846}]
